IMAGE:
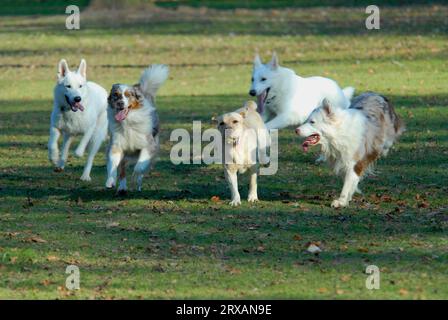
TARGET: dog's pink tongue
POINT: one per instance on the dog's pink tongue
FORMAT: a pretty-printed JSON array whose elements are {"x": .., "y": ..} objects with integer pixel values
[
  {"x": 79, "y": 106},
  {"x": 120, "y": 116},
  {"x": 260, "y": 102}
]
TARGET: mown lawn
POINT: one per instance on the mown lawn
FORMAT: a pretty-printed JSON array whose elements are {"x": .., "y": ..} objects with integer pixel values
[{"x": 171, "y": 240}]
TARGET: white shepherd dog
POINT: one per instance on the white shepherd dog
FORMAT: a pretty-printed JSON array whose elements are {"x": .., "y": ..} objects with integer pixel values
[
  {"x": 286, "y": 99},
  {"x": 80, "y": 108}
]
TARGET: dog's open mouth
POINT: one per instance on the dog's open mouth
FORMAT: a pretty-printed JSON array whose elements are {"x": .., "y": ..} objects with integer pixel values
[
  {"x": 310, "y": 141},
  {"x": 261, "y": 100},
  {"x": 74, "y": 106},
  {"x": 120, "y": 116}
]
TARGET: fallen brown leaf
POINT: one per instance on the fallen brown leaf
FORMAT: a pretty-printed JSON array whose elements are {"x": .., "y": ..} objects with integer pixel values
[{"x": 35, "y": 239}]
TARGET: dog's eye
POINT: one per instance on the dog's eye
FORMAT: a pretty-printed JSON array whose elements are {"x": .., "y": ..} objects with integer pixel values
[
  {"x": 221, "y": 123},
  {"x": 235, "y": 121},
  {"x": 263, "y": 79},
  {"x": 80, "y": 85},
  {"x": 68, "y": 86},
  {"x": 312, "y": 121}
]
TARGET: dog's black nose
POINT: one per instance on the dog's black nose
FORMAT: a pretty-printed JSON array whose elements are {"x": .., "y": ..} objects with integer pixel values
[
  {"x": 77, "y": 99},
  {"x": 120, "y": 105},
  {"x": 253, "y": 93}
]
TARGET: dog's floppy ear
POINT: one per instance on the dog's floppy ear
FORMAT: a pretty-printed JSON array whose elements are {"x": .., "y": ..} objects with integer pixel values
[
  {"x": 326, "y": 107},
  {"x": 62, "y": 68},
  {"x": 138, "y": 91},
  {"x": 250, "y": 105},
  {"x": 274, "y": 61},
  {"x": 82, "y": 70},
  {"x": 244, "y": 112},
  {"x": 257, "y": 60}
]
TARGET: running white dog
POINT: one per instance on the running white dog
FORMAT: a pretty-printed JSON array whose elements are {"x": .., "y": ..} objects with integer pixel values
[
  {"x": 134, "y": 127},
  {"x": 79, "y": 108},
  {"x": 285, "y": 99},
  {"x": 352, "y": 139}
]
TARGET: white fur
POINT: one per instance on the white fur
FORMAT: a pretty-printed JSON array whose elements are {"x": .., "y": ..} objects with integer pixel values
[
  {"x": 152, "y": 78},
  {"x": 292, "y": 98},
  {"x": 347, "y": 136},
  {"x": 91, "y": 123},
  {"x": 132, "y": 141}
]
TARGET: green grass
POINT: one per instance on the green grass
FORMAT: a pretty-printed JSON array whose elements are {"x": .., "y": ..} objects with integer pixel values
[
  {"x": 38, "y": 7},
  {"x": 171, "y": 240}
]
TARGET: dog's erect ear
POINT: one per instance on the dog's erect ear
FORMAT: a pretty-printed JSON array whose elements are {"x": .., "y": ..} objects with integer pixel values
[
  {"x": 82, "y": 70},
  {"x": 274, "y": 61},
  {"x": 112, "y": 91},
  {"x": 326, "y": 107},
  {"x": 62, "y": 68},
  {"x": 257, "y": 60}
]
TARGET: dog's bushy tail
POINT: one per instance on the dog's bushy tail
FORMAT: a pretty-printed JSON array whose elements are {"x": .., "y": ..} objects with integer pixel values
[
  {"x": 348, "y": 92},
  {"x": 152, "y": 79}
]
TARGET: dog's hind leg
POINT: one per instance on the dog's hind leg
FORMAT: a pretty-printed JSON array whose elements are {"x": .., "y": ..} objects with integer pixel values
[
  {"x": 94, "y": 146},
  {"x": 253, "y": 196},
  {"x": 65, "y": 149},
  {"x": 142, "y": 165},
  {"x": 350, "y": 186},
  {"x": 53, "y": 150}
]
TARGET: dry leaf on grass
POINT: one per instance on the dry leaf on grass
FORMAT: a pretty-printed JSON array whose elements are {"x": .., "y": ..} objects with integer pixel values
[
  {"x": 260, "y": 249},
  {"x": 45, "y": 282},
  {"x": 403, "y": 292},
  {"x": 35, "y": 239},
  {"x": 232, "y": 270},
  {"x": 314, "y": 248},
  {"x": 112, "y": 224},
  {"x": 52, "y": 258}
]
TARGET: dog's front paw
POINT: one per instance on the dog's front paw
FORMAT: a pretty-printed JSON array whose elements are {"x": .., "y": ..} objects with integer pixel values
[
  {"x": 338, "y": 203},
  {"x": 235, "y": 202},
  {"x": 110, "y": 183},
  {"x": 53, "y": 156},
  {"x": 320, "y": 159},
  {"x": 58, "y": 169},
  {"x": 252, "y": 198},
  {"x": 79, "y": 153},
  {"x": 85, "y": 177}
]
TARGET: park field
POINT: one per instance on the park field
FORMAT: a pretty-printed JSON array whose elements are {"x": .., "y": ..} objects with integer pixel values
[{"x": 179, "y": 238}]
